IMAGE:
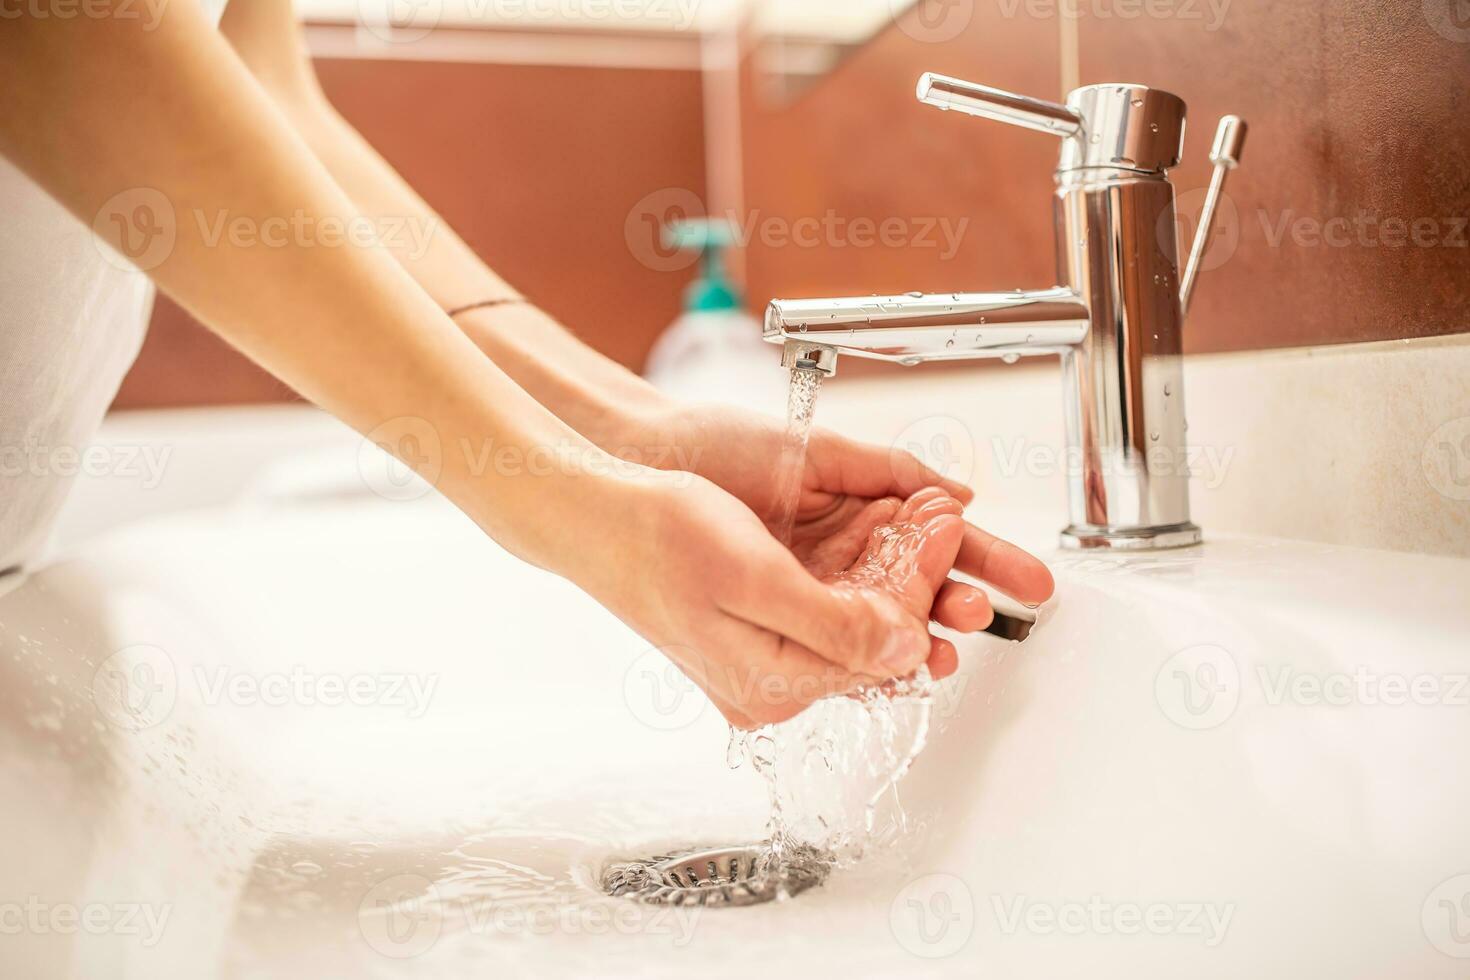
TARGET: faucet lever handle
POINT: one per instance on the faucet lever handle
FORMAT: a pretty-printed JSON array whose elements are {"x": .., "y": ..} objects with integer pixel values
[
  {"x": 1225, "y": 155},
  {"x": 993, "y": 103}
]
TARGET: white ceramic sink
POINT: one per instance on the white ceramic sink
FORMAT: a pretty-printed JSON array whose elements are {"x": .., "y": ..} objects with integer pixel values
[{"x": 360, "y": 740}]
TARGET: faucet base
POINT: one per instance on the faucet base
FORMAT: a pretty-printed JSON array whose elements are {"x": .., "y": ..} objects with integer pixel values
[{"x": 1079, "y": 538}]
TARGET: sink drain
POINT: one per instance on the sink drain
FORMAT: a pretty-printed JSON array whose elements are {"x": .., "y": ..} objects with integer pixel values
[{"x": 717, "y": 876}]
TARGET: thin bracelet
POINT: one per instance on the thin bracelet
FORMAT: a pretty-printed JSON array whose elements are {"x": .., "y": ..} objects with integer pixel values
[{"x": 503, "y": 301}]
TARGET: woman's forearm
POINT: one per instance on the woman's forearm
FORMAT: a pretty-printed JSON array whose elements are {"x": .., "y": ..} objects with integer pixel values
[
  {"x": 256, "y": 255},
  {"x": 594, "y": 394}
]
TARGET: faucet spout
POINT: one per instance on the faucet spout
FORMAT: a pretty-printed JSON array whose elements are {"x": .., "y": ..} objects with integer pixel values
[{"x": 915, "y": 327}]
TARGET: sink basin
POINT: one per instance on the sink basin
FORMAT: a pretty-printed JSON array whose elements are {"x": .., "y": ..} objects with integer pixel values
[{"x": 331, "y": 734}]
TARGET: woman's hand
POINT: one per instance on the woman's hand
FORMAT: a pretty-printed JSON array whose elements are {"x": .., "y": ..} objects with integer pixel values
[
  {"x": 697, "y": 573},
  {"x": 741, "y": 452}
]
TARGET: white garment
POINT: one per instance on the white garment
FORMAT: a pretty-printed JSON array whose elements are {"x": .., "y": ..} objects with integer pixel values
[{"x": 71, "y": 324}]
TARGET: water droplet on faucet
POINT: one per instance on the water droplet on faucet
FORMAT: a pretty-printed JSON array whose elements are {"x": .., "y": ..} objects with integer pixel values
[{"x": 1010, "y": 358}]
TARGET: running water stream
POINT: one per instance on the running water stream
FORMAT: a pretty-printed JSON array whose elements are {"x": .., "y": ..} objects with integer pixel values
[
  {"x": 829, "y": 770},
  {"x": 801, "y": 408}
]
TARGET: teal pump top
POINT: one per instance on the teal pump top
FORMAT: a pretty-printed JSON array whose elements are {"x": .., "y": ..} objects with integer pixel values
[{"x": 712, "y": 291}]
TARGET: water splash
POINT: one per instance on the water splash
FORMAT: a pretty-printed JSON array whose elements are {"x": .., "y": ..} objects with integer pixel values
[{"x": 832, "y": 772}]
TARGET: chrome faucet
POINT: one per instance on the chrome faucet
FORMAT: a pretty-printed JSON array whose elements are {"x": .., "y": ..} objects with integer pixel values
[{"x": 1115, "y": 322}]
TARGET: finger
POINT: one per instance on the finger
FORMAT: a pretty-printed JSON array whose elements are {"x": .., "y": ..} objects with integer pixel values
[
  {"x": 960, "y": 606},
  {"x": 937, "y": 507},
  {"x": 910, "y": 474},
  {"x": 943, "y": 536},
  {"x": 844, "y": 546},
  {"x": 918, "y": 499},
  {"x": 1005, "y": 566},
  {"x": 864, "y": 631},
  {"x": 944, "y": 659},
  {"x": 847, "y": 466},
  {"x": 916, "y": 585}
]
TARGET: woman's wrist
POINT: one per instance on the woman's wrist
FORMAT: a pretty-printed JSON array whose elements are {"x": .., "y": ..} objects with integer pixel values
[{"x": 604, "y": 401}]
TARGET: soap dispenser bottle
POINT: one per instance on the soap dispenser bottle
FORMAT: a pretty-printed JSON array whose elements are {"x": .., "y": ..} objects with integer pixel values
[{"x": 714, "y": 351}]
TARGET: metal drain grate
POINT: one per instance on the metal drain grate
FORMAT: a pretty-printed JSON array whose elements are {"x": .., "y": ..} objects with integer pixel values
[{"x": 716, "y": 876}]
